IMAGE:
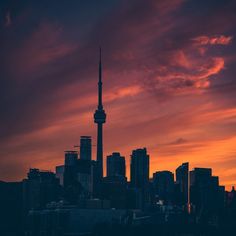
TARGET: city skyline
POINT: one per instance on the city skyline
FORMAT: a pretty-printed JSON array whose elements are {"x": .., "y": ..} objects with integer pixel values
[{"x": 169, "y": 91}]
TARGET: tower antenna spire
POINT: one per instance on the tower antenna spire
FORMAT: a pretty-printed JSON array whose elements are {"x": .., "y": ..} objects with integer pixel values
[{"x": 100, "y": 80}]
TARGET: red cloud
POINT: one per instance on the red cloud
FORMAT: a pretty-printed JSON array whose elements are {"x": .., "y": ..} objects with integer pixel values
[
  {"x": 43, "y": 46},
  {"x": 221, "y": 40}
]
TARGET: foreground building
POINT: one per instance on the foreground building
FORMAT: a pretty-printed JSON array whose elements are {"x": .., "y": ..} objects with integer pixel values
[
  {"x": 40, "y": 188},
  {"x": 71, "y": 220}
]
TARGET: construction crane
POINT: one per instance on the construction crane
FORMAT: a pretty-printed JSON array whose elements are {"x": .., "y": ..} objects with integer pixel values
[{"x": 77, "y": 146}]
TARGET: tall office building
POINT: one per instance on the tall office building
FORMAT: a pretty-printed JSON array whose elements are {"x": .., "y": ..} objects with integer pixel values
[
  {"x": 115, "y": 165},
  {"x": 139, "y": 168},
  {"x": 182, "y": 181},
  {"x": 139, "y": 177},
  {"x": 205, "y": 193},
  {"x": 163, "y": 182},
  {"x": 85, "y": 148},
  {"x": 70, "y": 168},
  {"x": 200, "y": 176},
  {"x": 71, "y": 158},
  {"x": 100, "y": 119}
]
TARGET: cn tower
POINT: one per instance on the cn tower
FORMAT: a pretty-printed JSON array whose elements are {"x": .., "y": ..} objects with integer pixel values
[{"x": 100, "y": 119}]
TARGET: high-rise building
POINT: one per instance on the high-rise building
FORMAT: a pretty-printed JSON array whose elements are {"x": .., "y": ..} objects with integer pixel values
[
  {"x": 70, "y": 168},
  {"x": 71, "y": 158},
  {"x": 205, "y": 193},
  {"x": 163, "y": 182},
  {"x": 114, "y": 185},
  {"x": 100, "y": 119},
  {"x": 115, "y": 165},
  {"x": 182, "y": 181},
  {"x": 139, "y": 168},
  {"x": 200, "y": 176},
  {"x": 139, "y": 179},
  {"x": 85, "y": 148}
]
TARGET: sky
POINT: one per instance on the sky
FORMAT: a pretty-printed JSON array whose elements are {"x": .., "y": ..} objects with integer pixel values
[{"x": 169, "y": 82}]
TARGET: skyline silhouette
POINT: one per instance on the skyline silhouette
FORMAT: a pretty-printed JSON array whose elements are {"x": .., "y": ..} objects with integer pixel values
[
  {"x": 117, "y": 118},
  {"x": 169, "y": 75},
  {"x": 78, "y": 199}
]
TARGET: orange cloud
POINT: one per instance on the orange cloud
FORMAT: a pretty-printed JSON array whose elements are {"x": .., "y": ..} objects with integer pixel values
[{"x": 220, "y": 40}]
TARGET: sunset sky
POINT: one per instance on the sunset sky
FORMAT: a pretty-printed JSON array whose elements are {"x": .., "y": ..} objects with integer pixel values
[{"x": 168, "y": 73}]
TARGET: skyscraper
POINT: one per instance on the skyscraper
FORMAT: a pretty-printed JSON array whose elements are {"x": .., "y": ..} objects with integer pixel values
[
  {"x": 85, "y": 148},
  {"x": 99, "y": 119},
  {"x": 139, "y": 168},
  {"x": 164, "y": 185},
  {"x": 182, "y": 179},
  {"x": 71, "y": 159},
  {"x": 139, "y": 171},
  {"x": 115, "y": 165},
  {"x": 205, "y": 193}
]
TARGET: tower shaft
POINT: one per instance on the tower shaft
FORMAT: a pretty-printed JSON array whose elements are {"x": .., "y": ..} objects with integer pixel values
[
  {"x": 100, "y": 150},
  {"x": 99, "y": 119}
]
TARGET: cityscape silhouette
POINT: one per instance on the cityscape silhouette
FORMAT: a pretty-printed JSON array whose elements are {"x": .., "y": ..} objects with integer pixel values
[
  {"x": 118, "y": 118},
  {"x": 78, "y": 200}
]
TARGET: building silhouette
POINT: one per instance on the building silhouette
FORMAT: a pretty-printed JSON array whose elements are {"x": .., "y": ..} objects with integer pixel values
[
  {"x": 86, "y": 148},
  {"x": 114, "y": 185},
  {"x": 206, "y": 195},
  {"x": 182, "y": 183},
  {"x": 116, "y": 165},
  {"x": 70, "y": 165},
  {"x": 139, "y": 168},
  {"x": 40, "y": 188},
  {"x": 163, "y": 182},
  {"x": 139, "y": 178}
]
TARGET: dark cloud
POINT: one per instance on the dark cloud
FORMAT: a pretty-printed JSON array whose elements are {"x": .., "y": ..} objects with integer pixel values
[{"x": 179, "y": 141}]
